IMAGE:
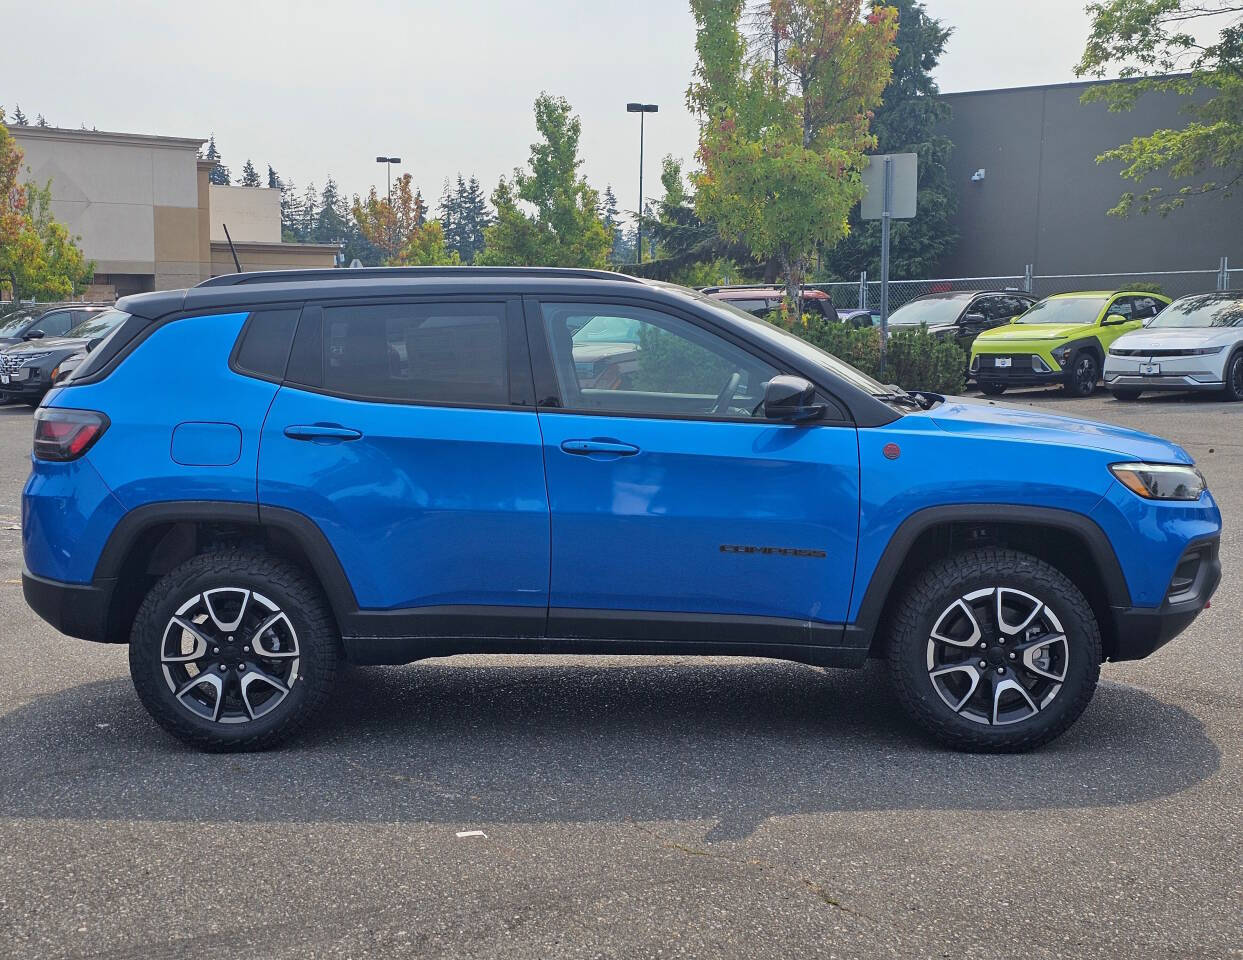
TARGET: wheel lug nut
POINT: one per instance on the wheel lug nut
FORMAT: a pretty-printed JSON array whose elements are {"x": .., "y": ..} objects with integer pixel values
[
  {"x": 1001, "y": 669},
  {"x": 1013, "y": 655},
  {"x": 983, "y": 645},
  {"x": 215, "y": 649},
  {"x": 999, "y": 639},
  {"x": 223, "y": 668},
  {"x": 983, "y": 663},
  {"x": 241, "y": 667},
  {"x": 245, "y": 649}
]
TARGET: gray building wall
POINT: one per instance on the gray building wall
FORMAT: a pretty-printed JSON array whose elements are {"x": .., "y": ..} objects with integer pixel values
[{"x": 1044, "y": 198}]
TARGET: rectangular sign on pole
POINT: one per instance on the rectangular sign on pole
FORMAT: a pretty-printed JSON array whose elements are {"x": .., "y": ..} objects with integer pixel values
[{"x": 905, "y": 186}]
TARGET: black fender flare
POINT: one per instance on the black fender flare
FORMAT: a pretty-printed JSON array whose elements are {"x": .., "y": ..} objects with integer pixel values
[
  {"x": 908, "y": 532},
  {"x": 300, "y": 528}
]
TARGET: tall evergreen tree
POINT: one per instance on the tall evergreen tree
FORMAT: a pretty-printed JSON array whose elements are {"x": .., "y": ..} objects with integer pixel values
[
  {"x": 274, "y": 182},
  {"x": 310, "y": 213},
  {"x": 450, "y": 214},
  {"x": 219, "y": 173},
  {"x": 333, "y": 219},
  {"x": 41, "y": 121},
  {"x": 476, "y": 217},
  {"x": 291, "y": 214},
  {"x": 906, "y": 122},
  {"x": 250, "y": 176},
  {"x": 19, "y": 118}
]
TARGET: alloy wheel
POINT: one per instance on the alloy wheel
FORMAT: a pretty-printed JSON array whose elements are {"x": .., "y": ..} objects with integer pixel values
[
  {"x": 997, "y": 656},
  {"x": 1085, "y": 374},
  {"x": 229, "y": 655},
  {"x": 1236, "y": 376}
]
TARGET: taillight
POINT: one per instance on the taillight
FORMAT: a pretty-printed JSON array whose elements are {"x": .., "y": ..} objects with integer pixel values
[{"x": 66, "y": 434}]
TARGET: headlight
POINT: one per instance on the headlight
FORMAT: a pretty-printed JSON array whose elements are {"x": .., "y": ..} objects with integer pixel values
[
  {"x": 1204, "y": 351},
  {"x": 1160, "y": 481},
  {"x": 1061, "y": 355}
]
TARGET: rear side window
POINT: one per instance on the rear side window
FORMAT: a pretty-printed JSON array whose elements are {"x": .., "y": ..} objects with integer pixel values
[
  {"x": 263, "y": 349},
  {"x": 420, "y": 352}
]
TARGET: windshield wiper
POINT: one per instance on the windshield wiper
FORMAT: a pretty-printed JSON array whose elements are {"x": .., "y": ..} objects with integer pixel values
[{"x": 896, "y": 394}]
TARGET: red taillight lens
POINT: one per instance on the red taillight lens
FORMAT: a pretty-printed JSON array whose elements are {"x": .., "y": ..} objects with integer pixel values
[{"x": 66, "y": 434}]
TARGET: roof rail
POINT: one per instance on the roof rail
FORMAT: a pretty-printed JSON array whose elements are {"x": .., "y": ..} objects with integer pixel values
[
  {"x": 369, "y": 273},
  {"x": 722, "y": 288}
]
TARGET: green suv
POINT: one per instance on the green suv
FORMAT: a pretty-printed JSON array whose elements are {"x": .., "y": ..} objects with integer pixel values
[{"x": 1062, "y": 339}]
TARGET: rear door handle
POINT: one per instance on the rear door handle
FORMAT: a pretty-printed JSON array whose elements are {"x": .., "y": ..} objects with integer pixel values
[
  {"x": 589, "y": 447},
  {"x": 321, "y": 432}
]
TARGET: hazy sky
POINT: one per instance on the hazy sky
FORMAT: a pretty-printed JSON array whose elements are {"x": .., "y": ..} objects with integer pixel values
[{"x": 316, "y": 88}]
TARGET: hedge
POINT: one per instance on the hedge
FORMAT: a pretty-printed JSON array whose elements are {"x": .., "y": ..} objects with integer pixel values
[{"x": 917, "y": 360}]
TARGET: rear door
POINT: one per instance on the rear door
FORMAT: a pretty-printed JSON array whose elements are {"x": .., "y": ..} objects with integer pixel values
[
  {"x": 407, "y": 432},
  {"x": 678, "y": 511}
]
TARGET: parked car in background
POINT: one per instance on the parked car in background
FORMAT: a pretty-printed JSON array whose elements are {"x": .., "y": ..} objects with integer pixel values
[
  {"x": 28, "y": 370},
  {"x": 961, "y": 314},
  {"x": 859, "y": 318},
  {"x": 761, "y": 299},
  {"x": 1196, "y": 343},
  {"x": 407, "y": 463},
  {"x": 35, "y": 324},
  {"x": 1062, "y": 339}
]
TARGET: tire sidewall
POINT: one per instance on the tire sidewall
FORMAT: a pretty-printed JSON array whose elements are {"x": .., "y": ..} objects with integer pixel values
[
  {"x": 1072, "y": 379},
  {"x": 315, "y": 652},
  {"x": 1232, "y": 364}
]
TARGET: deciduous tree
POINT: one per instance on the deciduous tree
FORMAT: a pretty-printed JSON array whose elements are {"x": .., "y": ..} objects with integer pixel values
[
  {"x": 564, "y": 228},
  {"x": 1159, "y": 44},
  {"x": 387, "y": 225},
  {"x": 782, "y": 136}
]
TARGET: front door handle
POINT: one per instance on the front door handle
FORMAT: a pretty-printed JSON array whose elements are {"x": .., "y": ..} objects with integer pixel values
[
  {"x": 321, "y": 432},
  {"x": 609, "y": 447}
]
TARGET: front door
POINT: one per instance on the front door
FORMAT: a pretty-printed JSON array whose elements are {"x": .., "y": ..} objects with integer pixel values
[
  {"x": 673, "y": 497},
  {"x": 407, "y": 432}
]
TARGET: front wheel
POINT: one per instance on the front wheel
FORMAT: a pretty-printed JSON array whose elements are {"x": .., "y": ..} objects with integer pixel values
[
  {"x": 1234, "y": 377},
  {"x": 992, "y": 389},
  {"x": 233, "y": 651},
  {"x": 1082, "y": 376},
  {"x": 994, "y": 651},
  {"x": 1126, "y": 395}
]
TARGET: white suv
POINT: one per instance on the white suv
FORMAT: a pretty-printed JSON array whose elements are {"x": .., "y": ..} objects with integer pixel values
[{"x": 1195, "y": 343}]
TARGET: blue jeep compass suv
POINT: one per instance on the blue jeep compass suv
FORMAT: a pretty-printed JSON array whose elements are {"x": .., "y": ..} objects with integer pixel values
[{"x": 252, "y": 479}]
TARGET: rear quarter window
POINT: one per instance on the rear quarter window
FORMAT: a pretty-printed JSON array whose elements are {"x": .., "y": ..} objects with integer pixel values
[{"x": 263, "y": 347}]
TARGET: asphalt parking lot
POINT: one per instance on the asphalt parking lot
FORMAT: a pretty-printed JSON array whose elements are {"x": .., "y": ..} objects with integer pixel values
[{"x": 631, "y": 807}]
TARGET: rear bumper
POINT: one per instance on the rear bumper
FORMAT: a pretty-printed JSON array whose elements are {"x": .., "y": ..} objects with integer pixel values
[
  {"x": 75, "y": 609},
  {"x": 1141, "y": 631}
]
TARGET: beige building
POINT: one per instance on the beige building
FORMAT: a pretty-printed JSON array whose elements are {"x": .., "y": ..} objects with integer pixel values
[{"x": 147, "y": 215}]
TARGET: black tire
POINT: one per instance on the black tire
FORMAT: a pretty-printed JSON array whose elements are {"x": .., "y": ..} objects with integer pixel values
[
  {"x": 914, "y": 655},
  {"x": 1082, "y": 374},
  {"x": 1127, "y": 395},
  {"x": 1234, "y": 377},
  {"x": 992, "y": 389},
  {"x": 272, "y": 584}
]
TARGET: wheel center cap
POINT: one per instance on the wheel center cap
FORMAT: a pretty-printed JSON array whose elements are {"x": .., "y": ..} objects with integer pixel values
[{"x": 996, "y": 656}]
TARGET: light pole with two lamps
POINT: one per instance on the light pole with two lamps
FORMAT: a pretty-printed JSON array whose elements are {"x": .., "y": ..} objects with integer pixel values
[{"x": 640, "y": 109}]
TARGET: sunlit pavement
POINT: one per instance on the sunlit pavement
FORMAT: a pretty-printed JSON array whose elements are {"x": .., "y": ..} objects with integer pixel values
[{"x": 629, "y": 807}]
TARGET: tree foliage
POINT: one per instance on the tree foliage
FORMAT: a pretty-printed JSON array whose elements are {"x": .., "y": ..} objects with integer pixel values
[
  {"x": 1154, "y": 43},
  {"x": 565, "y": 227},
  {"x": 38, "y": 258},
  {"x": 463, "y": 216},
  {"x": 389, "y": 225},
  {"x": 783, "y": 134},
  {"x": 250, "y": 176},
  {"x": 219, "y": 173},
  {"x": 906, "y": 122},
  {"x": 426, "y": 247}
]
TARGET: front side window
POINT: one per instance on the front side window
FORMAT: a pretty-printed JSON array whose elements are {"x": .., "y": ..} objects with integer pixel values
[
  {"x": 433, "y": 353},
  {"x": 656, "y": 365},
  {"x": 58, "y": 324},
  {"x": 98, "y": 324}
]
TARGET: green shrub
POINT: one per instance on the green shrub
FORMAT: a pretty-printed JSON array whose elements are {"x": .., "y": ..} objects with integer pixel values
[{"x": 917, "y": 360}]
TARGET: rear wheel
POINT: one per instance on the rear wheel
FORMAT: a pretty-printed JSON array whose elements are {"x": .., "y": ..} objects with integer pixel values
[
  {"x": 1234, "y": 377},
  {"x": 994, "y": 651},
  {"x": 992, "y": 389},
  {"x": 1127, "y": 395},
  {"x": 233, "y": 651},
  {"x": 1082, "y": 375}
]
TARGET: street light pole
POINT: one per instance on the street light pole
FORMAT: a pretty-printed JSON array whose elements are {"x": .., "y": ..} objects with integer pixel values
[
  {"x": 640, "y": 109},
  {"x": 388, "y": 166}
]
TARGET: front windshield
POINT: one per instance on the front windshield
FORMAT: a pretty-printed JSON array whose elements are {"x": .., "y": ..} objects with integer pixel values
[
  {"x": 1202, "y": 310},
  {"x": 13, "y": 326},
  {"x": 97, "y": 325},
  {"x": 764, "y": 329},
  {"x": 933, "y": 312},
  {"x": 1078, "y": 311}
]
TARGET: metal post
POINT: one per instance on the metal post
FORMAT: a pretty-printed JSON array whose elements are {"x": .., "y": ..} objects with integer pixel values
[
  {"x": 1027, "y": 278},
  {"x": 1223, "y": 276},
  {"x": 863, "y": 290},
  {"x": 639, "y": 239},
  {"x": 885, "y": 218}
]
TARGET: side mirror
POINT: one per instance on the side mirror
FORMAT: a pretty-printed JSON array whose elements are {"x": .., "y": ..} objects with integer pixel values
[
  {"x": 34, "y": 335},
  {"x": 791, "y": 398},
  {"x": 92, "y": 344},
  {"x": 1114, "y": 319}
]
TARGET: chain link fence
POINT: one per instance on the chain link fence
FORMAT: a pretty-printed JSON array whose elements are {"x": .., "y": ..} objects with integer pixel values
[{"x": 865, "y": 294}]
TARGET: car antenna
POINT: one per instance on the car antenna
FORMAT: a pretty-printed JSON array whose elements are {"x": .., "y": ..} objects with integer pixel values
[{"x": 231, "y": 248}]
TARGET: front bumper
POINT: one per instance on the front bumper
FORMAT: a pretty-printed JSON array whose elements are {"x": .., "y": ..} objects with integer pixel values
[
  {"x": 1177, "y": 373},
  {"x": 1140, "y": 631},
  {"x": 75, "y": 609},
  {"x": 1159, "y": 382}
]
